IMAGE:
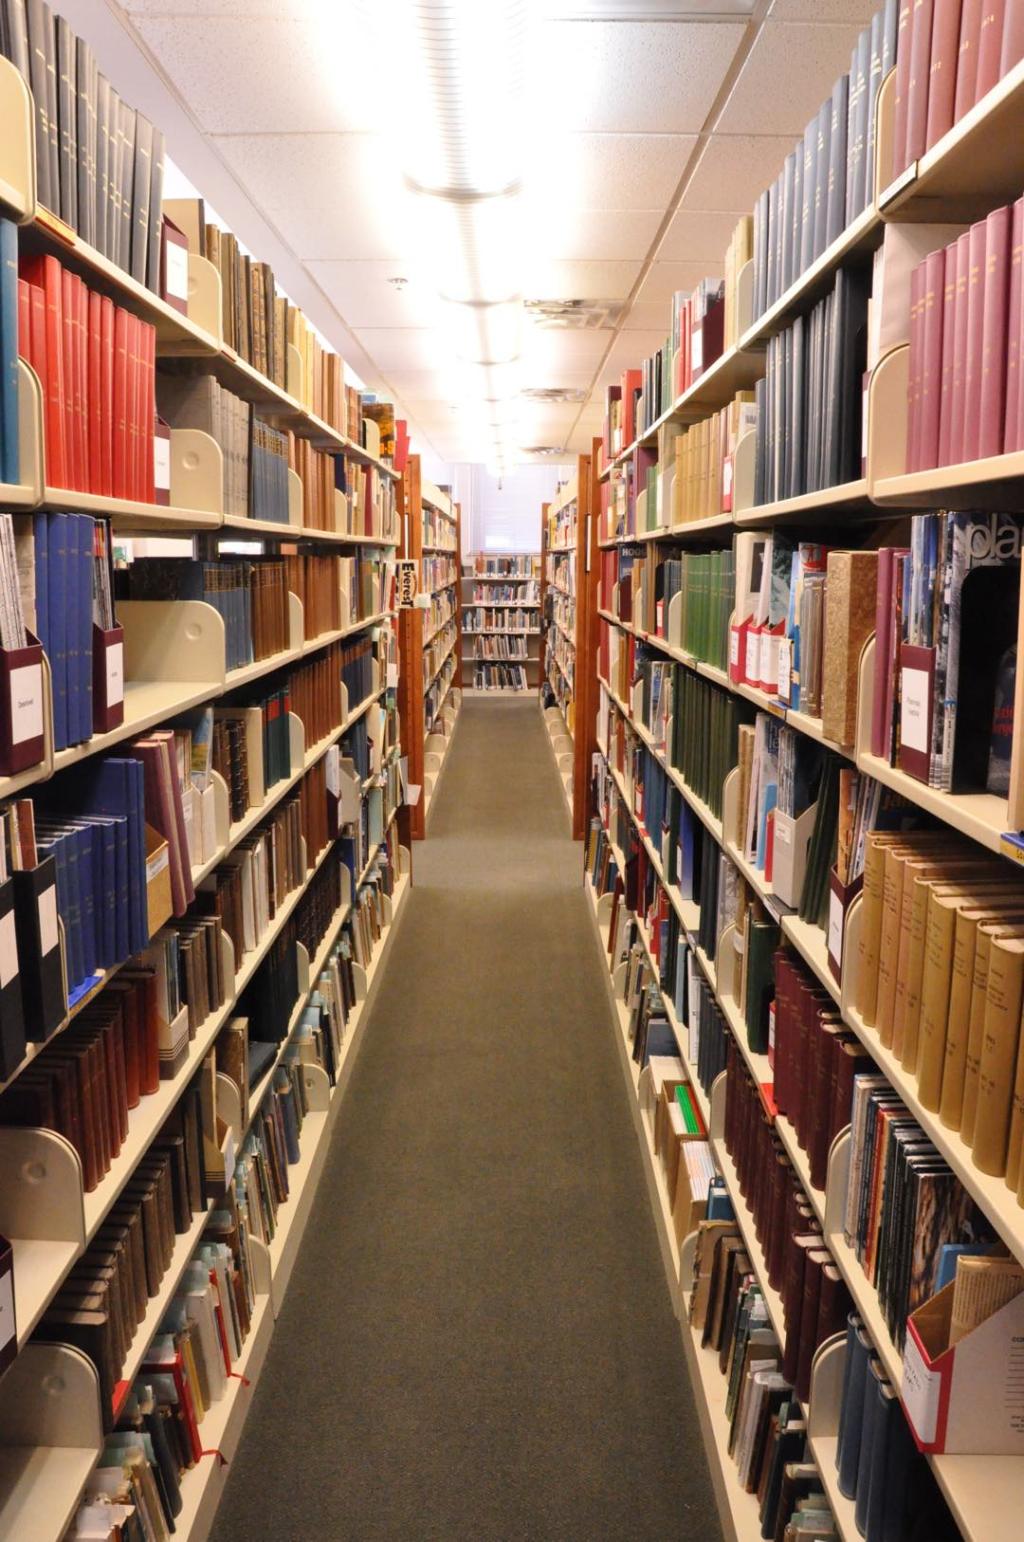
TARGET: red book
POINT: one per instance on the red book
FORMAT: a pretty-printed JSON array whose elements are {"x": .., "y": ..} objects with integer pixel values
[
  {"x": 149, "y": 414},
  {"x": 914, "y": 376},
  {"x": 883, "y": 644},
  {"x": 107, "y": 396},
  {"x": 81, "y": 295},
  {"x": 1013, "y": 38},
  {"x": 942, "y": 71},
  {"x": 632, "y": 380},
  {"x": 899, "y": 129},
  {"x": 948, "y": 335},
  {"x": 46, "y": 273},
  {"x": 72, "y": 405},
  {"x": 25, "y": 320},
  {"x": 990, "y": 45},
  {"x": 37, "y": 303},
  {"x": 956, "y": 411},
  {"x": 120, "y": 416},
  {"x": 967, "y": 58},
  {"x": 95, "y": 373},
  {"x": 931, "y": 358},
  {"x": 917, "y": 86},
  {"x": 994, "y": 338},
  {"x": 975, "y": 336},
  {"x": 132, "y": 477}
]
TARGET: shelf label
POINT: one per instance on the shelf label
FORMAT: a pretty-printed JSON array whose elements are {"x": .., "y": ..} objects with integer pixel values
[
  {"x": 162, "y": 463},
  {"x": 752, "y": 665},
  {"x": 26, "y": 703},
  {"x": 916, "y": 687},
  {"x": 920, "y": 1389},
  {"x": 230, "y": 1157},
  {"x": 8, "y": 950},
  {"x": 176, "y": 271},
  {"x": 727, "y": 485},
  {"x": 408, "y": 585},
  {"x": 157, "y": 862},
  {"x": 835, "y": 927}
]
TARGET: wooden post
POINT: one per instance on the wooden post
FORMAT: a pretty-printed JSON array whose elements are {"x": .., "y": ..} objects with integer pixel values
[
  {"x": 542, "y": 642},
  {"x": 583, "y": 685},
  {"x": 410, "y": 644}
]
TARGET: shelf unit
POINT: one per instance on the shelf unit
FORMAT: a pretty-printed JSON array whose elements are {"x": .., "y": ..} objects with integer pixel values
[
  {"x": 503, "y": 611},
  {"x": 568, "y": 597},
  {"x": 429, "y": 633}
]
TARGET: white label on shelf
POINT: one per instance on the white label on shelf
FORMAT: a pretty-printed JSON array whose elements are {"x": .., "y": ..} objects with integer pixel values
[
  {"x": 752, "y": 666},
  {"x": 696, "y": 349},
  {"x": 785, "y": 669},
  {"x": 332, "y": 771},
  {"x": 8, "y": 1327},
  {"x": 734, "y": 647},
  {"x": 230, "y": 1158},
  {"x": 920, "y": 1388},
  {"x": 914, "y": 710},
  {"x": 157, "y": 862},
  {"x": 769, "y": 667},
  {"x": 26, "y": 703},
  {"x": 48, "y": 934},
  {"x": 835, "y": 926},
  {"x": 176, "y": 271},
  {"x": 115, "y": 674},
  {"x": 771, "y": 1029},
  {"x": 162, "y": 463},
  {"x": 8, "y": 949}
]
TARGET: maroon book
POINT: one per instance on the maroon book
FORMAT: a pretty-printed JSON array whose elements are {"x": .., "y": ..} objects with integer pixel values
[
  {"x": 967, "y": 58},
  {"x": 1011, "y": 413},
  {"x": 797, "y": 1250},
  {"x": 990, "y": 45},
  {"x": 948, "y": 334},
  {"x": 833, "y": 1303},
  {"x": 917, "y": 86},
  {"x": 930, "y": 395},
  {"x": 942, "y": 72},
  {"x": 993, "y": 337},
  {"x": 975, "y": 339},
  {"x": 917, "y": 701},
  {"x": 899, "y": 130},
  {"x": 1013, "y": 38},
  {"x": 956, "y": 414},
  {"x": 916, "y": 360},
  {"x": 817, "y": 1260}
]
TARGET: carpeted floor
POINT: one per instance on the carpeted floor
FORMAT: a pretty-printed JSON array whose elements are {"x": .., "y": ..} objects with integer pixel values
[{"x": 477, "y": 1342}]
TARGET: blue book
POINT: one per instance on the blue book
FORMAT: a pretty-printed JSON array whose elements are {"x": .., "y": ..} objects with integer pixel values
[
  {"x": 9, "y": 466},
  {"x": 87, "y": 896},
  {"x": 111, "y": 787},
  {"x": 49, "y": 843},
  {"x": 104, "y": 872},
  {"x": 57, "y": 564},
  {"x": 83, "y": 639},
  {"x": 719, "y": 1203},
  {"x": 40, "y": 528},
  {"x": 74, "y": 627}
]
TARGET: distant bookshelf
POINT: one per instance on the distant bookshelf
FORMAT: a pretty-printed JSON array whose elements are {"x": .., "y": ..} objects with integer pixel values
[{"x": 501, "y": 633}]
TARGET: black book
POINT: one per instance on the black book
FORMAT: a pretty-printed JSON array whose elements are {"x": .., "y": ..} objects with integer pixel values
[
  {"x": 875, "y": 76},
  {"x": 86, "y": 76},
  {"x": 127, "y": 132},
  {"x": 156, "y": 202},
  {"x": 67, "y": 122},
  {"x": 103, "y": 159},
  {"x": 141, "y": 199},
  {"x": 797, "y": 437},
  {"x": 859, "y": 84},
  {"x": 810, "y": 156},
  {"x": 786, "y": 221},
  {"x": 821, "y": 165},
  {"x": 15, "y": 36},
  {"x": 38, "y": 18},
  {"x": 50, "y": 47}
]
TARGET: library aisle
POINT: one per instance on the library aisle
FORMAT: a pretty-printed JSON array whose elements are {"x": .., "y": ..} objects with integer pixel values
[{"x": 477, "y": 1341}]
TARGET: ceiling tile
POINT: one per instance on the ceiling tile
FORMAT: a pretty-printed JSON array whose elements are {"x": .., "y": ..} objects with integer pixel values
[
  {"x": 633, "y": 76},
  {"x": 363, "y": 296},
  {"x": 624, "y": 171},
  {"x": 773, "y": 97},
  {"x": 547, "y": 280},
  {"x": 734, "y": 171},
  {"x": 665, "y": 278},
  {"x": 285, "y": 176},
  {"x": 562, "y": 348},
  {"x": 698, "y": 235},
  {"x": 646, "y": 316},
  {"x": 606, "y": 235},
  {"x": 232, "y": 79},
  {"x": 398, "y": 347},
  {"x": 824, "y": 10}
]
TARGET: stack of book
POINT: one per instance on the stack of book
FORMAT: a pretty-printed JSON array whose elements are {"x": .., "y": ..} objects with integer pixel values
[{"x": 252, "y": 598}]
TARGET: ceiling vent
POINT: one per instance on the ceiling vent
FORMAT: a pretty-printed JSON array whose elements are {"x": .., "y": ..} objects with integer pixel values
[
  {"x": 551, "y": 394},
  {"x": 580, "y": 315},
  {"x": 549, "y": 450}
]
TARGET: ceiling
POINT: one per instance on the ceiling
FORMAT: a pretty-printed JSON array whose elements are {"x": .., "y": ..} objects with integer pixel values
[{"x": 654, "y": 126}]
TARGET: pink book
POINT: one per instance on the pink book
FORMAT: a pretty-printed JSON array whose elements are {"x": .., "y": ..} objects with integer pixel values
[
  {"x": 1013, "y": 38},
  {"x": 948, "y": 330},
  {"x": 967, "y": 58},
  {"x": 931, "y": 359},
  {"x": 990, "y": 45},
  {"x": 914, "y": 376},
  {"x": 975, "y": 334},
  {"x": 883, "y": 638},
  {"x": 956, "y": 412},
  {"x": 993, "y": 336},
  {"x": 917, "y": 89},
  {"x": 1013, "y": 322},
  {"x": 942, "y": 72},
  {"x": 903, "y": 42}
]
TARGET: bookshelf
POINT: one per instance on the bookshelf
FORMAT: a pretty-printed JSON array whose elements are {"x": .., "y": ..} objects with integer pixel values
[
  {"x": 430, "y": 683},
  {"x": 568, "y": 596},
  {"x": 175, "y": 660},
  {"x": 501, "y": 634},
  {"x": 962, "y": 178}
]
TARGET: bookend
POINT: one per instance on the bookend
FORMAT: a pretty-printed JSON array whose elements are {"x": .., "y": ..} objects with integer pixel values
[
  {"x": 789, "y": 853},
  {"x": 44, "y": 989},
  {"x": 51, "y": 1434},
  {"x": 989, "y": 605},
  {"x": 22, "y": 706},
  {"x": 107, "y": 678},
  {"x": 17, "y": 153}
]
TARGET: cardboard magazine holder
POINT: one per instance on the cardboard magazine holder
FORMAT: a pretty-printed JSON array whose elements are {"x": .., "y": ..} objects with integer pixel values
[
  {"x": 962, "y": 1398},
  {"x": 22, "y": 706},
  {"x": 840, "y": 897},
  {"x": 158, "y": 880},
  {"x": 12, "y": 1008},
  {"x": 107, "y": 678},
  {"x": 790, "y": 846},
  {"x": 37, "y": 925}
]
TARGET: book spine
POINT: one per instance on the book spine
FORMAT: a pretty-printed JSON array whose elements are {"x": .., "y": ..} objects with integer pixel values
[{"x": 994, "y": 332}]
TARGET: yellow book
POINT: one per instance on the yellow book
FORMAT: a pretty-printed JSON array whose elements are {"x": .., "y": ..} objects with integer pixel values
[
  {"x": 958, "y": 1017},
  {"x": 998, "y": 1061}
]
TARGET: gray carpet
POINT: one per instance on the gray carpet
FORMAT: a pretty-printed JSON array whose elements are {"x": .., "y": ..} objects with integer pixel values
[{"x": 477, "y": 1342}]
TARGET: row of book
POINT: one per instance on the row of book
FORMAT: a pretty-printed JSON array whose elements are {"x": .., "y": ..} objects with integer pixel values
[
  {"x": 525, "y": 592},
  {"x": 963, "y": 398},
  {"x": 99, "y": 162},
  {"x": 255, "y": 455},
  {"x": 437, "y": 530},
  {"x": 522, "y": 565},
  {"x": 488, "y": 676},
  {"x": 501, "y": 647},
  {"x": 481, "y": 618},
  {"x": 829, "y": 178},
  {"x": 10, "y": 459},
  {"x": 252, "y": 598},
  {"x": 96, "y": 363},
  {"x": 948, "y": 58}
]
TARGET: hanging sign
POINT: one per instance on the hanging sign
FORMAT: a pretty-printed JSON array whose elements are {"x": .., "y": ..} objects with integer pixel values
[{"x": 408, "y": 583}]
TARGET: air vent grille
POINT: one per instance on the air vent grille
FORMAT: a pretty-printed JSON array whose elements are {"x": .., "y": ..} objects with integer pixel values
[
  {"x": 580, "y": 315},
  {"x": 554, "y": 394}
]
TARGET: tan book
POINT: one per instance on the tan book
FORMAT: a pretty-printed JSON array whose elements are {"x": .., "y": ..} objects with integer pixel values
[
  {"x": 983, "y": 1285},
  {"x": 872, "y": 897},
  {"x": 958, "y": 1016},
  {"x": 998, "y": 1061},
  {"x": 986, "y": 934},
  {"x": 850, "y": 595}
]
